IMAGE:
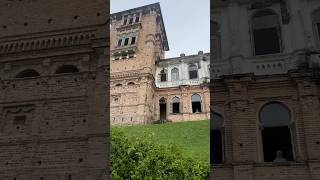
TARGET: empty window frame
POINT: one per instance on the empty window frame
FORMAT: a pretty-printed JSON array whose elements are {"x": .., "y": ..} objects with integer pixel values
[
  {"x": 133, "y": 40},
  {"x": 175, "y": 105},
  {"x": 216, "y": 138},
  {"x": 196, "y": 103},
  {"x": 137, "y": 19},
  {"x": 277, "y": 132},
  {"x": 175, "y": 74},
  {"x": 163, "y": 75},
  {"x": 131, "y": 20},
  {"x": 125, "y": 19},
  {"x": 193, "y": 71},
  {"x": 119, "y": 42},
  {"x": 126, "y": 42},
  {"x": 266, "y": 33}
]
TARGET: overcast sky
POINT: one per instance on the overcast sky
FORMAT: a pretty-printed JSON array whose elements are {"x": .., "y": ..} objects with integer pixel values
[{"x": 187, "y": 23}]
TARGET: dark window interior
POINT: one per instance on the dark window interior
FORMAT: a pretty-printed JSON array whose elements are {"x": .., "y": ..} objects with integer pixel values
[
  {"x": 193, "y": 74},
  {"x": 275, "y": 139},
  {"x": 133, "y": 40},
  {"x": 126, "y": 41},
  {"x": 196, "y": 107},
  {"x": 137, "y": 19},
  {"x": 266, "y": 41},
  {"x": 216, "y": 146},
  {"x": 20, "y": 120},
  {"x": 119, "y": 42},
  {"x": 131, "y": 20},
  {"x": 67, "y": 69},
  {"x": 176, "y": 107},
  {"x": 28, "y": 73}
]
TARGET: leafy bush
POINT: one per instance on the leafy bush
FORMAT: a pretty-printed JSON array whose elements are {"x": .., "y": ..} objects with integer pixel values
[{"x": 142, "y": 159}]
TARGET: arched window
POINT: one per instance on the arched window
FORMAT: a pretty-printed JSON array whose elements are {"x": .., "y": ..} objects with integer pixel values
[
  {"x": 27, "y": 73},
  {"x": 130, "y": 83},
  {"x": 175, "y": 74},
  {"x": 193, "y": 71},
  {"x": 266, "y": 33},
  {"x": 163, "y": 75},
  {"x": 276, "y": 132},
  {"x": 216, "y": 138},
  {"x": 118, "y": 85},
  {"x": 67, "y": 69},
  {"x": 316, "y": 25},
  {"x": 175, "y": 105},
  {"x": 215, "y": 40},
  {"x": 196, "y": 103}
]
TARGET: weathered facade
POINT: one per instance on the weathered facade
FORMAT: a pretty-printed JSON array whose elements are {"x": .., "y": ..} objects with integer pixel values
[
  {"x": 53, "y": 99},
  {"x": 265, "y": 97},
  {"x": 139, "y": 94}
]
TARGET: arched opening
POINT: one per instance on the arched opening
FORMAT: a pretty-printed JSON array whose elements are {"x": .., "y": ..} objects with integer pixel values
[
  {"x": 163, "y": 75},
  {"x": 175, "y": 105},
  {"x": 175, "y": 74},
  {"x": 196, "y": 103},
  {"x": 118, "y": 85},
  {"x": 276, "y": 132},
  {"x": 193, "y": 71},
  {"x": 266, "y": 33},
  {"x": 131, "y": 84},
  {"x": 27, "y": 73},
  {"x": 216, "y": 138},
  {"x": 67, "y": 69},
  {"x": 163, "y": 109}
]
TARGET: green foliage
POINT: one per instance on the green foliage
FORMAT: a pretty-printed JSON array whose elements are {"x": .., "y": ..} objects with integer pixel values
[{"x": 140, "y": 158}]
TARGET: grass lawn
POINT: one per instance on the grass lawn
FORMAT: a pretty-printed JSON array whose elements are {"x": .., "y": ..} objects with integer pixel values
[{"x": 193, "y": 136}]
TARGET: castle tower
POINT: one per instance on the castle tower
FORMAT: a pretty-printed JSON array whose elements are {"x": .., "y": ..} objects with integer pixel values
[{"x": 138, "y": 39}]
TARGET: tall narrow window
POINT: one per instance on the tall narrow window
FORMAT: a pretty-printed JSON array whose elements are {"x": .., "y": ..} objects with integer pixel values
[
  {"x": 276, "y": 133},
  {"x": 163, "y": 75},
  {"x": 125, "y": 19},
  {"x": 126, "y": 41},
  {"x": 216, "y": 138},
  {"x": 137, "y": 19},
  {"x": 131, "y": 20},
  {"x": 175, "y": 74},
  {"x": 193, "y": 71},
  {"x": 133, "y": 40},
  {"x": 176, "y": 105},
  {"x": 119, "y": 42},
  {"x": 266, "y": 33},
  {"x": 316, "y": 24},
  {"x": 196, "y": 103}
]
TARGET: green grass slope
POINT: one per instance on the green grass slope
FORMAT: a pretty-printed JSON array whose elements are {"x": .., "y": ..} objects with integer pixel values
[{"x": 191, "y": 136}]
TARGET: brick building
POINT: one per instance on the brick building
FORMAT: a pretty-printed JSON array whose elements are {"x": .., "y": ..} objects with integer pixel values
[
  {"x": 145, "y": 86},
  {"x": 265, "y": 96},
  {"x": 53, "y": 100}
]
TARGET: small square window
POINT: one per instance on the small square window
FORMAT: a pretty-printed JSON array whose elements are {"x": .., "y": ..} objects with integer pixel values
[{"x": 137, "y": 19}]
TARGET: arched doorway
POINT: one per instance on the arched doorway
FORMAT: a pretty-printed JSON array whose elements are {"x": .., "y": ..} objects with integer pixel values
[{"x": 163, "y": 109}]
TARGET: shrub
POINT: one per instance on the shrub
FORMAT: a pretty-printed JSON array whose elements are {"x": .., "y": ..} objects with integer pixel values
[{"x": 141, "y": 159}]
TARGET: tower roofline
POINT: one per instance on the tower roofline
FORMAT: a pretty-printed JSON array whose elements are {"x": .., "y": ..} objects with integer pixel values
[{"x": 154, "y": 5}]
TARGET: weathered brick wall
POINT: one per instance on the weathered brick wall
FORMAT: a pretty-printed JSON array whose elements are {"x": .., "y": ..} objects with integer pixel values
[
  {"x": 54, "y": 126},
  {"x": 239, "y": 101}
]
